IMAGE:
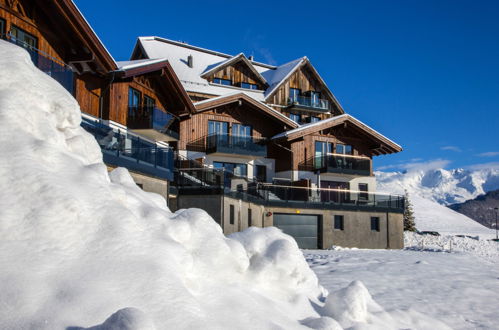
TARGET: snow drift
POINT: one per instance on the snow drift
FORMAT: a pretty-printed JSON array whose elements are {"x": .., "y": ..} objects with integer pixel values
[{"x": 81, "y": 248}]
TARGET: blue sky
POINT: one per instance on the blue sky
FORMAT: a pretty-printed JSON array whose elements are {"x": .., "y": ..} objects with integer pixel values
[{"x": 423, "y": 73}]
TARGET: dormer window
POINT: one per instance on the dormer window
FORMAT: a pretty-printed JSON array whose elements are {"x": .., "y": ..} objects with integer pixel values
[
  {"x": 221, "y": 81},
  {"x": 249, "y": 86}
]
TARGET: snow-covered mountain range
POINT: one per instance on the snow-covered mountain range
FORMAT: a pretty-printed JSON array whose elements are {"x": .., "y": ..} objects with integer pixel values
[
  {"x": 431, "y": 190},
  {"x": 440, "y": 185}
]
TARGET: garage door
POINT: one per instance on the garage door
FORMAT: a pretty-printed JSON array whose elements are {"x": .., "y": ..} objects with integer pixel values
[{"x": 304, "y": 228}]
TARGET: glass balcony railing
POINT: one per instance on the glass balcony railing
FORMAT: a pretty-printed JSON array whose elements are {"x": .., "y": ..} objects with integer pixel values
[
  {"x": 334, "y": 163},
  {"x": 130, "y": 151},
  {"x": 151, "y": 118},
  {"x": 233, "y": 144},
  {"x": 55, "y": 68},
  {"x": 309, "y": 102}
]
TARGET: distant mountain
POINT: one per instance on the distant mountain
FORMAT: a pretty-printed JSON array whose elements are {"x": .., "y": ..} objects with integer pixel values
[
  {"x": 431, "y": 191},
  {"x": 442, "y": 186},
  {"x": 480, "y": 209}
]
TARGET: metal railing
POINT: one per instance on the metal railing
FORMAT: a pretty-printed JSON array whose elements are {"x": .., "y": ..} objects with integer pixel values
[
  {"x": 309, "y": 102},
  {"x": 52, "y": 66},
  {"x": 130, "y": 151},
  {"x": 230, "y": 144},
  {"x": 337, "y": 163},
  {"x": 143, "y": 117}
]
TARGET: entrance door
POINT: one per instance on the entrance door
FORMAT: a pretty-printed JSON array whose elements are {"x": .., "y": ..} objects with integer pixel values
[{"x": 304, "y": 228}]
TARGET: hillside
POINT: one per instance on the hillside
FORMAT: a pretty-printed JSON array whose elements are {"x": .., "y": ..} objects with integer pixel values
[
  {"x": 480, "y": 209},
  {"x": 427, "y": 189}
]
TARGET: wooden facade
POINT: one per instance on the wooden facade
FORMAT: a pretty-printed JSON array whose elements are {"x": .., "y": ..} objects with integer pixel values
[{"x": 238, "y": 73}]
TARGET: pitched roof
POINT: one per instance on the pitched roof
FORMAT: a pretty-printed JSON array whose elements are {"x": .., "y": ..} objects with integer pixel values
[
  {"x": 238, "y": 58},
  {"x": 133, "y": 68},
  {"x": 243, "y": 97},
  {"x": 387, "y": 145}
]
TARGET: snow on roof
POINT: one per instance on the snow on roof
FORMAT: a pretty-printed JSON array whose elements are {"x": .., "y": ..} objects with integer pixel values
[
  {"x": 127, "y": 65},
  {"x": 331, "y": 120},
  {"x": 239, "y": 57},
  {"x": 276, "y": 77}
]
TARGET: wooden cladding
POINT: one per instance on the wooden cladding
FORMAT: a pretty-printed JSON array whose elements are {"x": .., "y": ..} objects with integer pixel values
[{"x": 238, "y": 73}]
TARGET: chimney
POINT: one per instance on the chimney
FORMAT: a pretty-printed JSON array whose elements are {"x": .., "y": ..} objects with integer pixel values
[
  {"x": 190, "y": 61},
  {"x": 251, "y": 58}
]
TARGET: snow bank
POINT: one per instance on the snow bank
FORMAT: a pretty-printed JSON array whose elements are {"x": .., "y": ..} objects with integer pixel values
[{"x": 82, "y": 248}]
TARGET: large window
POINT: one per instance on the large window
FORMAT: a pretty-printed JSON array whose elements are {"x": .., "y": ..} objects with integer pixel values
[
  {"x": 222, "y": 81},
  {"x": 295, "y": 117},
  {"x": 218, "y": 128},
  {"x": 23, "y": 38},
  {"x": 249, "y": 86},
  {"x": 261, "y": 173},
  {"x": 294, "y": 93},
  {"x": 344, "y": 149},
  {"x": 374, "y": 223},
  {"x": 134, "y": 101},
  {"x": 315, "y": 98},
  {"x": 338, "y": 222},
  {"x": 321, "y": 151},
  {"x": 241, "y": 130},
  {"x": 233, "y": 168}
]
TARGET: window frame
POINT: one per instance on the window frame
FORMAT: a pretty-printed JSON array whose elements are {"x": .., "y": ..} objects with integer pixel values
[
  {"x": 234, "y": 125},
  {"x": 25, "y": 33},
  {"x": 249, "y": 85},
  {"x": 341, "y": 220},
  {"x": 232, "y": 214},
  {"x": 344, "y": 149},
  {"x": 136, "y": 92},
  {"x": 314, "y": 119},
  {"x": 295, "y": 96},
  {"x": 363, "y": 193},
  {"x": 3, "y": 26},
  {"x": 375, "y": 224},
  {"x": 291, "y": 115}
]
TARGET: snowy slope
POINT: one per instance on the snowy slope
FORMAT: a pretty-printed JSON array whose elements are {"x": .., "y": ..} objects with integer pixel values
[{"x": 426, "y": 189}]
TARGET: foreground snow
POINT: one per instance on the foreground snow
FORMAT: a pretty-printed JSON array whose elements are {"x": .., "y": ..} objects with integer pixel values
[{"x": 457, "y": 289}]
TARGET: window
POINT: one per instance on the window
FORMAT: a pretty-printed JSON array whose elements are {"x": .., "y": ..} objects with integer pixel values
[
  {"x": 134, "y": 100},
  {"x": 234, "y": 168},
  {"x": 374, "y": 223},
  {"x": 241, "y": 130},
  {"x": 294, "y": 93},
  {"x": 149, "y": 102},
  {"x": 231, "y": 214},
  {"x": 23, "y": 38},
  {"x": 218, "y": 127},
  {"x": 338, "y": 222},
  {"x": 294, "y": 117},
  {"x": 314, "y": 119},
  {"x": 261, "y": 173},
  {"x": 321, "y": 151},
  {"x": 2, "y": 28},
  {"x": 221, "y": 81},
  {"x": 363, "y": 191},
  {"x": 315, "y": 98},
  {"x": 344, "y": 149},
  {"x": 250, "y": 220},
  {"x": 249, "y": 86}
]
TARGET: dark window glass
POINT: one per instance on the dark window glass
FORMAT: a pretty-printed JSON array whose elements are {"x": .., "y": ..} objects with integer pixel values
[
  {"x": 222, "y": 81},
  {"x": 149, "y": 102},
  {"x": 375, "y": 223},
  {"x": 314, "y": 119},
  {"x": 261, "y": 173},
  {"x": 231, "y": 214},
  {"x": 294, "y": 93},
  {"x": 249, "y": 86},
  {"x": 314, "y": 98},
  {"x": 236, "y": 169},
  {"x": 218, "y": 127},
  {"x": 294, "y": 117},
  {"x": 344, "y": 149},
  {"x": 134, "y": 100},
  {"x": 363, "y": 189},
  {"x": 241, "y": 130},
  {"x": 338, "y": 222},
  {"x": 322, "y": 149},
  {"x": 250, "y": 220},
  {"x": 23, "y": 38},
  {"x": 2, "y": 28}
]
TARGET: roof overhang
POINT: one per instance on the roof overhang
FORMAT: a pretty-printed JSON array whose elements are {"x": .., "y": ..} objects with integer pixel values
[
  {"x": 381, "y": 144},
  {"x": 240, "y": 97}
]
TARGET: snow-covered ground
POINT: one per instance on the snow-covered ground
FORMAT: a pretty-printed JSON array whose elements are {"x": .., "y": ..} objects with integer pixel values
[{"x": 459, "y": 289}]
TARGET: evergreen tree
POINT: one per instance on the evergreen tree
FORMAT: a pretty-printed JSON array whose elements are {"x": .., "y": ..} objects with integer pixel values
[{"x": 409, "y": 223}]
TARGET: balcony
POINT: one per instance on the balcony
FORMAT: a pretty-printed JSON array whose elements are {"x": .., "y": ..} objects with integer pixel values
[
  {"x": 55, "y": 68},
  {"x": 335, "y": 163},
  {"x": 230, "y": 144},
  {"x": 309, "y": 103},
  {"x": 152, "y": 123},
  {"x": 130, "y": 151}
]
